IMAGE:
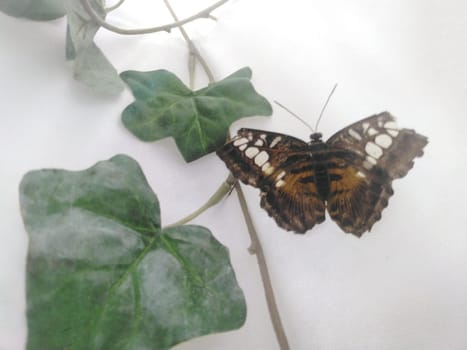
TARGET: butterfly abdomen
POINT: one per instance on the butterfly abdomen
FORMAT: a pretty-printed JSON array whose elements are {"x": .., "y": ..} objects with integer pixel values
[{"x": 322, "y": 169}]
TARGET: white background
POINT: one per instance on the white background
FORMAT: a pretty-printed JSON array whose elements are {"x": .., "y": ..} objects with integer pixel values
[{"x": 403, "y": 286}]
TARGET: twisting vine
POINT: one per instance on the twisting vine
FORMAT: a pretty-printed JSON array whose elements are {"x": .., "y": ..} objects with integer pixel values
[
  {"x": 195, "y": 56},
  {"x": 164, "y": 28}
]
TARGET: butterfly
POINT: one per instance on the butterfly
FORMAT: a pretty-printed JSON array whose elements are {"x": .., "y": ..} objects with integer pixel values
[{"x": 350, "y": 174}]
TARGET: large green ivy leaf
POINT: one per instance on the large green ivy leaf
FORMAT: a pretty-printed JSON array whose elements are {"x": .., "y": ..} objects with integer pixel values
[
  {"x": 90, "y": 64},
  {"x": 102, "y": 274},
  {"x": 197, "y": 120},
  {"x": 39, "y": 10}
]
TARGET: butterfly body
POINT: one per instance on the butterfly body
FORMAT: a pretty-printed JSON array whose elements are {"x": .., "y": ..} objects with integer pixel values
[
  {"x": 317, "y": 165},
  {"x": 350, "y": 174}
]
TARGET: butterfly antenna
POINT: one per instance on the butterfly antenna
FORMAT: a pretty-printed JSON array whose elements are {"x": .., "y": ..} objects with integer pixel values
[
  {"x": 325, "y": 105},
  {"x": 295, "y": 115}
]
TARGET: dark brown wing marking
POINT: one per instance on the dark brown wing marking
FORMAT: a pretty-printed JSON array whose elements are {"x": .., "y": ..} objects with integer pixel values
[
  {"x": 356, "y": 200},
  {"x": 295, "y": 204},
  {"x": 379, "y": 152},
  {"x": 267, "y": 160}
]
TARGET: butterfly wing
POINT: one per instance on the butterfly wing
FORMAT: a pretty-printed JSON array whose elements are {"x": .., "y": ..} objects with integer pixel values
[
  {"x": 357, "y": 195},
  {"x": 380, "y": 141},
  {"x": 273, "y": 163},
  {"x": 374, "y": 153}
]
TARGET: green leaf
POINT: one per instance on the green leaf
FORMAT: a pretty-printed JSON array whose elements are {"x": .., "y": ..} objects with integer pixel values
[
  {"x": 38, "y": 10},
  {"x": 102, "y": 274},
  {"x": 70, "y": 51},
  {"x": 96, "y": 71},
  {"x": 90, "y": 64},
  {"x": 197, "y": 120}
]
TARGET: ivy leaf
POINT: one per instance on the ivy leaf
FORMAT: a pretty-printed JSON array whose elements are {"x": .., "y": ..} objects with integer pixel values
[
  {"x": 38, "y": 10},
  {"x": 197, "y": 120},
  {"x": 90, "y": 64},
  {"x": 70, "y": 51},
  {"x": 103, "y": 274}
]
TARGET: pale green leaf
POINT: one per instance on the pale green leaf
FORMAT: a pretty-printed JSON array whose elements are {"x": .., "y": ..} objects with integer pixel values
[
  {"x": 197, "y": 120},
  {"x": 90, "y": 64},
  {"x": 102, "y": 274},
  {"x": 39, "y": 10}
]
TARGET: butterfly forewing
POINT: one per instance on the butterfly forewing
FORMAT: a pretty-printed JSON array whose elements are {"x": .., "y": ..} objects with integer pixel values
[
  {"x": 381, "y": 142},
  {"x": 254, "y": 155}
]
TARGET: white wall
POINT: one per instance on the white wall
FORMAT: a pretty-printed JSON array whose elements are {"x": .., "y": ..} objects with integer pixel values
[{"x": 403, "y": 286}]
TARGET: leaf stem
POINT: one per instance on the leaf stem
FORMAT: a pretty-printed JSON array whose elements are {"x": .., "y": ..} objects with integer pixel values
[
  {"x": 257, "y": 249},
  {"x": 166, "y": 28},
  {"x": 192, "y": 70},
  {"x": 193, "y": 49},
  {"x": 221, "y": 192}
]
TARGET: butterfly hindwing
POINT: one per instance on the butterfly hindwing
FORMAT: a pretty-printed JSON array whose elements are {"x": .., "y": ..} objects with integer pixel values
[
  {"x": 273, "y": 163},
  {"x": 358, "y": 196},
  {"x": 292, "y": 200}
]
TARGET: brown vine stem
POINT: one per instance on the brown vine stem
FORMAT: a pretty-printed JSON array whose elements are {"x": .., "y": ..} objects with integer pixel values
[
  {"x": 220, "y": 193},
  {"x": 164, "y": 28},
  {"x": 193, "y": 49},
  {"x": 255, "y": 247}
]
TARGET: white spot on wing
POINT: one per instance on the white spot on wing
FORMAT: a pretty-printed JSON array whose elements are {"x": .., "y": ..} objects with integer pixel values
[
  {"x": 365, "y": 126},
  {"x": 251, "y": 152},
  {"x": 267, "y": 168},
  {"x": 280, "y": 183},
  {"x": 383, "y": 140},
  {"x": 367, "y": 164},
  {"x": 391, "y": 125},
  {"x": 259, "y": 142},
  {"x": 355, "y": 134},
  {"x": 360, "y": 174},
  {"x": 263, "y": 136},
  {"x": 240, "y": 141},
  {"x": 371, "y": 160},
  {"x": 261, "y": 158},
  {"x": 280, "y": 176},
  {"x": 250, "y": 136},
  {"x": 275, "y": 141},
  {"x": 391, "y": 128},
  {"x": 242, "y": 147},
  {"x": 373, "y": 150},
  {"x": 372, "y": 131},
  {"x": 252, "y": 181}
]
